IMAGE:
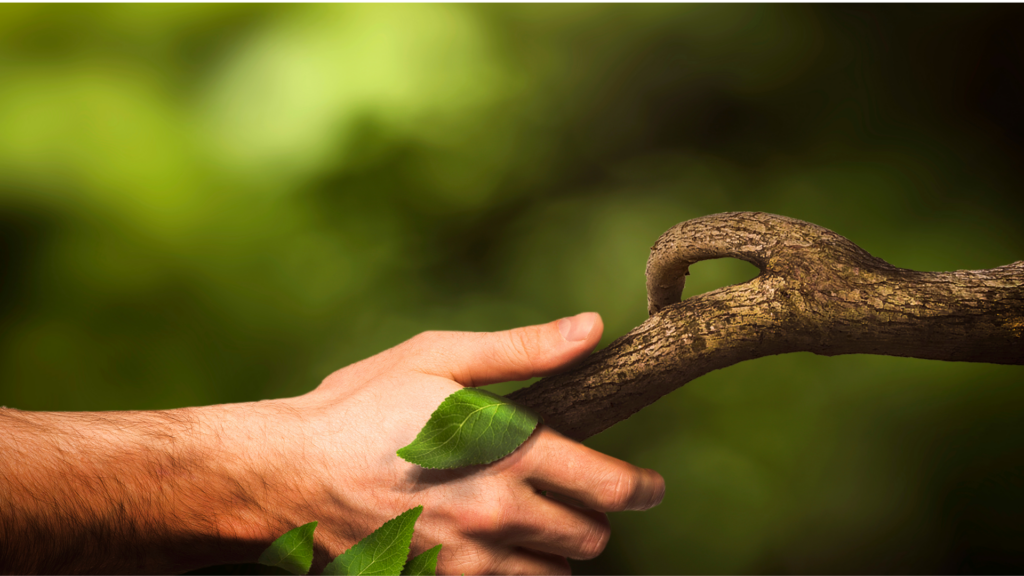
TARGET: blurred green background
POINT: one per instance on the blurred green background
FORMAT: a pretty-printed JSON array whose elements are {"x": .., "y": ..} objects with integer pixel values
[{"x": 206, "y": 204}]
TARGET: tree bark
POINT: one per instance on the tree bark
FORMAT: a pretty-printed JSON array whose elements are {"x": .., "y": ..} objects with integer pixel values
[{"x": 817, "y": 292}]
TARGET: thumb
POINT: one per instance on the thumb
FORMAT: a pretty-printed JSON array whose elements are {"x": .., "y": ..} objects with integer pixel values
[{"x": 479, "y": 358}]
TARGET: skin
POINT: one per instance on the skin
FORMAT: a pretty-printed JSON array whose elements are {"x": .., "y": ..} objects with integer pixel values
[{"x": 171, "y": 491}]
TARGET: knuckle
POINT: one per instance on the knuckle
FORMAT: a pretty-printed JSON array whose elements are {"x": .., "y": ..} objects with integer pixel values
[
  {"x": 425, "y": 350},
  {"x": 618, "y": 491},
  {"x": 517, "y": 345},
  {"x": 594, "y": 539},
  {"x": 413, "y": 347},
  {"x": 425, "y": 338},
  {"x": 521, "y": 349}
]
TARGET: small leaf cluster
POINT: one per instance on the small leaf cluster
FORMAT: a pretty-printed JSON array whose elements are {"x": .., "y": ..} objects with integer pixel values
[
  {"x": 470, "y": 427},
  {"x": 384, "y": 552}
]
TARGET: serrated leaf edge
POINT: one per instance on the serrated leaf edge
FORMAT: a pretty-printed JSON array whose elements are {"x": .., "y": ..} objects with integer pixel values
[
  {"x": 298, "y": 545},
  {"x": 379, "y": 528},
  {"x": 436, "y": 551}
]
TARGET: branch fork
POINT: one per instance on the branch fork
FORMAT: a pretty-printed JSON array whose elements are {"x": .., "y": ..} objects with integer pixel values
[{"x": 816, "y": 292}]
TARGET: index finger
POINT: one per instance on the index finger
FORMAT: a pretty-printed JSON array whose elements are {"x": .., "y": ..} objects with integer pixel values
[{"x": 597, "y": 480}]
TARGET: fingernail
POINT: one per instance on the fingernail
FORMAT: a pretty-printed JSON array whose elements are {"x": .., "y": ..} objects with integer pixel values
[{"x": 577, "y": 327}]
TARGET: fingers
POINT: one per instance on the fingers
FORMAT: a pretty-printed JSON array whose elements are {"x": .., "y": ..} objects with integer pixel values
[
  {"x": 596, "y": 480},
  {"x": 517, "y": 521},
  {"x": 479, "y": 358},
  {"x": 533, "y": 536},
  {"x": 515, "y": 561},
  {"x": 563, "y": 530},
  {"x": 530, "y": 562}
]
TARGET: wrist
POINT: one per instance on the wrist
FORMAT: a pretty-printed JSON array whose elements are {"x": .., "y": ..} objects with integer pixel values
[{"x": 234, "y": 495}]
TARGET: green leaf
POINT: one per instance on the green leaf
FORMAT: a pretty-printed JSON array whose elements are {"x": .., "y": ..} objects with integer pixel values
[
  {"x": 471, "y": 427},
  {"x": 424, "y": 564},
  {"x": 384, "y": 552},
  {"x": 293, "y": 551}
]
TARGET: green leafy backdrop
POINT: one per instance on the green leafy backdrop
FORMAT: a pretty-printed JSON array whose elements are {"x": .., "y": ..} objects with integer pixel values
[{"x": 205, "y": 204}]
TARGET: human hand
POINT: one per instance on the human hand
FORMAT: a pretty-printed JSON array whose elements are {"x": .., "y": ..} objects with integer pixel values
[{"x": 340, "y": 441}]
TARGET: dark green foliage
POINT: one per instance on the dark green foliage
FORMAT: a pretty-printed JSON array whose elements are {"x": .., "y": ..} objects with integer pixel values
[
  {"x": 293, "y": 551},
  {"x": 423, "y": 564},
  {"x": 470, "y": 427},
  {"x": 383, "y": 553}
]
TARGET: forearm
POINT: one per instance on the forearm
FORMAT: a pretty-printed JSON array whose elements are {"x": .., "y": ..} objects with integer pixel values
[{"x": 139, "y": 492}]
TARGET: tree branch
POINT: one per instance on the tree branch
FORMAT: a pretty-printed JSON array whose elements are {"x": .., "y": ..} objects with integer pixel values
[{"x": 817, "y": 292}]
